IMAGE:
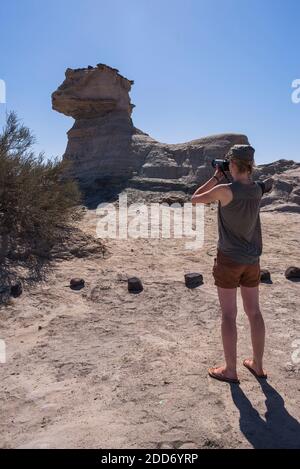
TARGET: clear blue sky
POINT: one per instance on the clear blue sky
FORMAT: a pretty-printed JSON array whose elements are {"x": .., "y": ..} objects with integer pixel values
[{"x": 200, "y": 66}]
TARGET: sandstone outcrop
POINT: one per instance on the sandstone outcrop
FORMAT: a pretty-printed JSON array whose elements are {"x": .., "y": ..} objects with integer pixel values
[
  {"x": 105, "y": 148},
  {"x": 285, "y": 193}
]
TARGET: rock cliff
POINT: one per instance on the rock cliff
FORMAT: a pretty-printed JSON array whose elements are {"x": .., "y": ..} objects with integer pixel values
[
  {"x": 104, "y": 147},
  {"x": 106, "y": 150}
]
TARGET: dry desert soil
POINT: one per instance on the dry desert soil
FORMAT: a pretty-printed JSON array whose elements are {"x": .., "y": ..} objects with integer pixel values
[{"x": 103, "y": 368}]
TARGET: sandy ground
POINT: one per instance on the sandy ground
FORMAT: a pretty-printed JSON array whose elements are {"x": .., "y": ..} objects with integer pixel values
[{"x": 102, "y": 368}]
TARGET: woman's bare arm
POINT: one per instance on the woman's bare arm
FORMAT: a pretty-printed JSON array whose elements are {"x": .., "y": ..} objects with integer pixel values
[
  {"x": 211, "y": 190},
  {"x": 212, "y": 182},
  {"x": 220, "y": 192}
]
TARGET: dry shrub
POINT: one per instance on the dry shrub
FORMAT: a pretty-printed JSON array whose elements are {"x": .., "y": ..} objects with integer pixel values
[{"x": 36, "y": 200}]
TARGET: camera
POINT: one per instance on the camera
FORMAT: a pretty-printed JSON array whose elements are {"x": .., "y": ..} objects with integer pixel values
[{"x": 222, "y": 164}]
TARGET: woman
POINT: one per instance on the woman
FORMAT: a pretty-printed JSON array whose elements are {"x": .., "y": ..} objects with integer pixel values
[{"x": 238, "y": 252}]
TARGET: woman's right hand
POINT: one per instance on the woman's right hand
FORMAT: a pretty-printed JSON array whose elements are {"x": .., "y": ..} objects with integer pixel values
[{"x": 218, "y": 173}]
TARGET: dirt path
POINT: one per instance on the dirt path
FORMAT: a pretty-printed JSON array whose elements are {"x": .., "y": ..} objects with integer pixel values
[{"x": 102, "y": 368}]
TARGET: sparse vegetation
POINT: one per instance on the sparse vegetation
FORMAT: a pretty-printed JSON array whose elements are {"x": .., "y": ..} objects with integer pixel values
[{"x": 36, "y": 201}]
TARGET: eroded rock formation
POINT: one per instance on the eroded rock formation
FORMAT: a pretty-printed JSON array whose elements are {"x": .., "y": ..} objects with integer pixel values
[
  {"x": 285, "y": 194},
  {"x": 106, "y": 150},
  {"x": 104, "y": 147}
]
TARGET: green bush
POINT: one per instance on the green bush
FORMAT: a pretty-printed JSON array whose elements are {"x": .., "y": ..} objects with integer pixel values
[{"x": 36, "y": 200}]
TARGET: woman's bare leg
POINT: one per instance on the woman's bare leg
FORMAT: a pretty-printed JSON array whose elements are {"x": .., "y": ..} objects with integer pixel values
[
  {"x": 227, "y": 298},
  {"x": 250, "y": 298}
]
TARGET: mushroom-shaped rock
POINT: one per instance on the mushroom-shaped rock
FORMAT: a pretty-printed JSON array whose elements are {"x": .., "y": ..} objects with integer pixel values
[
  {"x": 92, "y": 92},
  {"x": 105, "y": 149}
]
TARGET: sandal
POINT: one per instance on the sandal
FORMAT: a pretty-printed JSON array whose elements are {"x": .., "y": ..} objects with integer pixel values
[
  {"x": 263, "y": 376},
  {"x": 222, "y": 378}
]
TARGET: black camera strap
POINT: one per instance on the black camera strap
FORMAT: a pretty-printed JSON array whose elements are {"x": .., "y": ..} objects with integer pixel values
[
  {"x": 262, "y": 185},
  {"x": 228, "y": 180}
]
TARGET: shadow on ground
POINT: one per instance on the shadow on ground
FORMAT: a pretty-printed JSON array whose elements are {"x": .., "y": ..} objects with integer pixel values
[{"x": 278, "y": 430}]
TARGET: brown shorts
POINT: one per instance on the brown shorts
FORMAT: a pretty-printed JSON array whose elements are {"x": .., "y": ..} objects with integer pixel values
[{"x": 230, "y": 274}]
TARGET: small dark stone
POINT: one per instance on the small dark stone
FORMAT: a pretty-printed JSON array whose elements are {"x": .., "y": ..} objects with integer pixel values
[
  {"x": 16, "y": 289},
  {"x": 40, "y": 328},
  {"x": 76, "y": 283},
  {"x": 265, "y": 276},
  {"x": 135, "y": 285},
  {"x": 193, "y": 280},
  {"x": 292, "y": 272}
]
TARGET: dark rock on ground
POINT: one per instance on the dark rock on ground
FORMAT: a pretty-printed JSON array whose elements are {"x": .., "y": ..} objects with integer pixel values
[
  {"x": 135, "y": 285},
  {"x": 292, "y": 272},
  {"x": 16, "y": 289},
  {"x": 193, "y": 280},
  {"x": 265, "y": 276},
  {"x": 77, "y": 283}
]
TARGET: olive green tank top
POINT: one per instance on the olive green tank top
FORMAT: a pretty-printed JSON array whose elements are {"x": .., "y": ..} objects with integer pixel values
[{"x": 239, "y": 225}]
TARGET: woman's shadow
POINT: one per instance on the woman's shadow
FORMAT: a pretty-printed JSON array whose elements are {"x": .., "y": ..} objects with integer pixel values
[{"x": 279, "y": 430}]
